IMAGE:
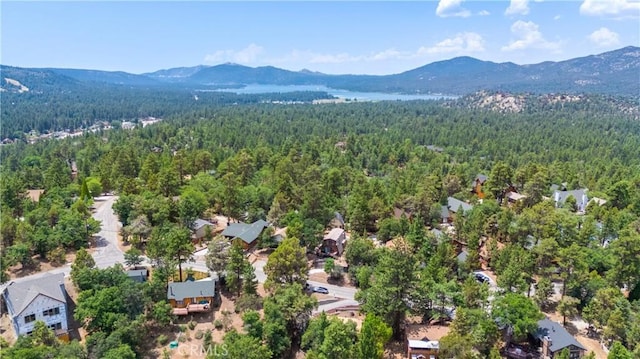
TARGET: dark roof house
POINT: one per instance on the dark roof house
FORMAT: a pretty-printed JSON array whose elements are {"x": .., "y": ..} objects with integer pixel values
[
  {"x": 455, "y": 205},
  {"x": 248, "y": 233},
  {"x": 554, "y": 338},
  {"x": 191, "y": 289},
  {"x": 138, "y": 275}
]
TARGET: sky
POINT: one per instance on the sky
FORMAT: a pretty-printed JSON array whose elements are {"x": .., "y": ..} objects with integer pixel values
[{"x": 339, "y": 37}]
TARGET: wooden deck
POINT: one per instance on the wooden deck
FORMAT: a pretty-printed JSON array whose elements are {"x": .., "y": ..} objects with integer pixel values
[{"x": 192, "y": 308}]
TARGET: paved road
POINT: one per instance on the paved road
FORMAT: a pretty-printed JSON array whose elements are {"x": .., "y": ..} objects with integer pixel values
[{"x": 107, "y": 252}]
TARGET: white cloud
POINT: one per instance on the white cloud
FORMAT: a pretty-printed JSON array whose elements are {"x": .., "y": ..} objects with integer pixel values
[
  {"x": 466, "y": 42},
  {"x": 557, "y": 17},
  {"x": 529, "y": 37},
  {"x": 245, "y": 56},
  {"x": 629, "y": 8},
  {"x": 604, "y": 37},
  {"x": 484, "y": 13},
  {"x": 518, "y": 7},
  {"x": 447, "y": 8}
]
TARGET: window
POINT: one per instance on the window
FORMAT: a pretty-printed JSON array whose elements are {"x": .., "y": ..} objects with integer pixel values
[
  {"x": 179, "y": 302},
  {"x": 55, "y": 326},
  {"x": 52, "y": 311},
  {"x": 29, "y": 318}
]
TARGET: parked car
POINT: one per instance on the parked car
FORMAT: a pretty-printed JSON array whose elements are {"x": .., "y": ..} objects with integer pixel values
[
  {"x": 322, "y": 290},
  {"x": 482, "y": 278}
]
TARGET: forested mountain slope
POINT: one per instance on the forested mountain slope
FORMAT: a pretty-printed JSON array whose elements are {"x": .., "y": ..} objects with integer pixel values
[{"x": 615, "y": 72}]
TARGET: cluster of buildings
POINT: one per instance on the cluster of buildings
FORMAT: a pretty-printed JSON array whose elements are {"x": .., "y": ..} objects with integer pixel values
[{"x": 33, "y": 136}]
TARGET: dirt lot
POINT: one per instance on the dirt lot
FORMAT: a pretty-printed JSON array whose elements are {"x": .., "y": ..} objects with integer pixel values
[{"x": 398, "y": 350}]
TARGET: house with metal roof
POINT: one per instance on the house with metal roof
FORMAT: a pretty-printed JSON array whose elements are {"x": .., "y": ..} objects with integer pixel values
[
  {"x": 554, "y": 338},
  {"x": 247, "y": 233},
  {"x": 454, "y": 207},
  {"x": 200, "y": 226},
  {"x": 41, "y": 299},
  {"x": 422, "y": 349},
  {"x": 191, "y": 296},
  {"x": 138, "y": 275},
  {"x": 580, "y": 195}
]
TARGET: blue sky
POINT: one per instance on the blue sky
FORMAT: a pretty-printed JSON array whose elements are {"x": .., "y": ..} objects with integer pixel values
[{"x": 331, "y": 37}]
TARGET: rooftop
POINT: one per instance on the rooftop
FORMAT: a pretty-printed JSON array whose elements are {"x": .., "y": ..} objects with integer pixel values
[
  {"x": 423, "y": 344},
  {"x": 199, "y": 223},
  {"x": 334, "y": 234},
  {"x": 21, "y": 294},
  {"x": 454, "y": 205},
  {"x": 189, "y": 289},
  {"x": 246, "y": 232},
  {"x": 559, "y": 336}
]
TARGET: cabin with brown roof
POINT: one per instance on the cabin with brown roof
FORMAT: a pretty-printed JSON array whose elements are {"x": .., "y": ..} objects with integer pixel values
[{"x": 334, "y": 242}]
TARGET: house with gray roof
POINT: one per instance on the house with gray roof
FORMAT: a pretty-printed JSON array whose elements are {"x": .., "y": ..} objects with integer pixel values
[
  {"x": 560, "y": 197},
  {"x": 41, "y": 299},
  {"x": 200, "y": 226},
  {"x": 191, "y": 296},
  {"x": 138, "y": 275},
  {"x": 454, "y": 206},
  {"x": 554, "y": 338},
  {"x": 247, "y": 233}
]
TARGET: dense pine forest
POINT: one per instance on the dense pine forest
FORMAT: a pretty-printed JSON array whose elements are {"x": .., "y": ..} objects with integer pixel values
[{"x": 295, "y": 165}]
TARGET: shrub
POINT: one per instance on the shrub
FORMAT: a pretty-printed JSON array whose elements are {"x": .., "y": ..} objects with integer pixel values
[
  {"x": 218, "y": 324},
  {"x": 163, "y": 339},
  {"x": 182, "y": 328},
  {"x": 248, "y": 302},
  {"x": 182, "y": 339},
  {"x": 57, "y": 257},
  {"x": 192, "y": 324},
  {"x": 199, "y": 334},
  {"x": 207, "y": 339}
]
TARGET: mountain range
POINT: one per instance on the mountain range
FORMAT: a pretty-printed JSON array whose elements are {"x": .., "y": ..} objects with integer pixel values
[{"x": 615, "y": 72}]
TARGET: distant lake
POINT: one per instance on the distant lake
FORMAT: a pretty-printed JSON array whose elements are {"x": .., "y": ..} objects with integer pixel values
[{"x": 346, "y": 94}]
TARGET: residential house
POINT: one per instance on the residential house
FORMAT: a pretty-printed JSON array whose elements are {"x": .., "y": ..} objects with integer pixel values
[
  {"x": 138, "y": 275},
  {"x": 454, "y": 206},
  {"x": 422, "y": 349},
  {"x": 43, "y": 299},
  {"x": 247, "y": 233},
  {"x": 514, "y": 197},
  {"x": 560, "y": 197},
  {"x": 553, "y": 338},
  {"x": 333, "y": 242},
  {"x": 476, "y": 185},
  {"x": 191, "y": 296},
  {"x": 199, "y": 228}
]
